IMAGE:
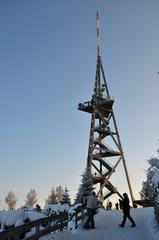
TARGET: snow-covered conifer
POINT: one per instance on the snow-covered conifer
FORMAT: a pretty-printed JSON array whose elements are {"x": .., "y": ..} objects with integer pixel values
[
  {"x": 52, "y": 198},
  {"x": 11, "y": 200},
  {"x": 59, "y": 192},
  {"x": 85, "y": 187},
  {"x": 65, "y": 197},
  {"x": 146, "y": 192},
  {"x": 153, "y": 180},
  {"x": 153, "y": 172},
  {"x": 31, "y": 198}
]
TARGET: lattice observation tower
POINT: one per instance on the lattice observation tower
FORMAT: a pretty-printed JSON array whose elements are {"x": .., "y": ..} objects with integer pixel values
[{"x": 104, "y": 148}]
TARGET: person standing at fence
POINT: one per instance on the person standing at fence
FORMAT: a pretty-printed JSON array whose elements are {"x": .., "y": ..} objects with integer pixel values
[
  {"x": 126, "y": 211},
  {"x": 117, "y": 206},
  {"x": 92, "y": 205}
]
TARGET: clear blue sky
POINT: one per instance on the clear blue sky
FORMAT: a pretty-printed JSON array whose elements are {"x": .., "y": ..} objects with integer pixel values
[{"x": 47, "y": 66}]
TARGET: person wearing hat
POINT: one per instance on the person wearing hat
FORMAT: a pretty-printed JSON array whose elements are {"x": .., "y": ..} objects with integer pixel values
[{"x": 126, "y": 211}]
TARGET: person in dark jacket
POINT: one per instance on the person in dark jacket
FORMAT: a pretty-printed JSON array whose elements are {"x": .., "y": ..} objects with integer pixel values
[
  {"x": 117, "y": 206},
  {"x": 126, "y": 211}
]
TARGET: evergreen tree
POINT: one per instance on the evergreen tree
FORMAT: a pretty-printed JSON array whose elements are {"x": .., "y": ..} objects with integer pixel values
[
  {"x": 66, "y": 198},
  {"x": 153, "y": 173},
  {"x": 31, "y": 198},
  {"x": 52, "y": 199},
  {"x": 85, "y": 187},
  {"x": 153, "y": 178},
  {"x": 146, "y": 192},
  {"x": 59, "y": 193},
  {"x": 148, "y": 189}
]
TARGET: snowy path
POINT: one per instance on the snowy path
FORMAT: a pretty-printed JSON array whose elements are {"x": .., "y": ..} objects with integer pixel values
[{"x": 107, "y": 227}]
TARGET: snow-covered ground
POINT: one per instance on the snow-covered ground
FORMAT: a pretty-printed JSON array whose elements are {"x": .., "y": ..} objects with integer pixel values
[{"x": 107, "y": 227}]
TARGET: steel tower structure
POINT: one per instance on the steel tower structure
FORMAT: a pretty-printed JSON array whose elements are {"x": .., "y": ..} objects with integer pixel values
[{"x": 104, "y": 149}]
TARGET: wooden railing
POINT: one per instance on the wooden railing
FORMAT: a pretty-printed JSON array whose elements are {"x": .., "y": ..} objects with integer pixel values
[{"x": 43, "y": 226}]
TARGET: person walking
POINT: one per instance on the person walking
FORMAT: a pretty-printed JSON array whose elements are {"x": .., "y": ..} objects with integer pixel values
[
  {"x": 92, "y": 205},
  {"x": 117, "y": 206},
  {"x": 126, "y": 211},
  {"x": 110, "y": 205}
]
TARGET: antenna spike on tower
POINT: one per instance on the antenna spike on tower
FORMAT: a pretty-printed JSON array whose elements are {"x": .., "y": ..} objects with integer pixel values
[{"x": 98, "y": 33}]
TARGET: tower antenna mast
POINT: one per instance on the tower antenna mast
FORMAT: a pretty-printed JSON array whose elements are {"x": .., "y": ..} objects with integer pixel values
[{"x": 98, "y": 33}]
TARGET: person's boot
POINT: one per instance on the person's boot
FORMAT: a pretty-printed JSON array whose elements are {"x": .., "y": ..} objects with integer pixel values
[
  {"x": 121, "y": 225},
  {"x": 86, "y": 225},
  {"x": 93, "y": 227},
  {"x": 133, "y": 225}
]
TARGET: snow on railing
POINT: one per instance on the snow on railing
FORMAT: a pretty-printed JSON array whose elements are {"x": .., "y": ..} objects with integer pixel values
[{"x": 53, "y": 223}]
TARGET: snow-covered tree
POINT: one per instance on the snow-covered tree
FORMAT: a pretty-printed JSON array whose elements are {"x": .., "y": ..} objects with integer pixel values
[
  {"x": 56, "y": 196},
  {"x": 153, "y": 181},
  {"x": 59, "y": 192},
  {"x": 11, "y": 200},
  {"x": 52, "y": 198},
  {"x": 153, "y": 173},
  {"x": 31, "y": 198},
  {"x": 146, "y": 192},
  {"x": 65, "y": 197},
  {"x": 85, "y": 187}
]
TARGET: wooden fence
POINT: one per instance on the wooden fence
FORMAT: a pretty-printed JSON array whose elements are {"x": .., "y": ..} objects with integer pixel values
[{"x": 43, "y": 226}]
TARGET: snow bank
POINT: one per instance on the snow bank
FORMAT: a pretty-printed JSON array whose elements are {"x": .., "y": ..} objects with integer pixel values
[
  {"x": 17, "y": 217},
  {"x": 55, "y": 209},
  {"x": 153, "y": 228},
  {"x": 59, "y": 208},
  {"x": 12, "y": 218}
]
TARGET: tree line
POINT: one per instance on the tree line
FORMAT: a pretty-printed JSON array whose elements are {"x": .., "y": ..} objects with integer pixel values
[{"x": 57, "y": 195}]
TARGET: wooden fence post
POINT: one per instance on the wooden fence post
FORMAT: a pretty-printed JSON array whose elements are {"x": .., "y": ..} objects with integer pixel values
[{"x": 71, "y": 226}]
